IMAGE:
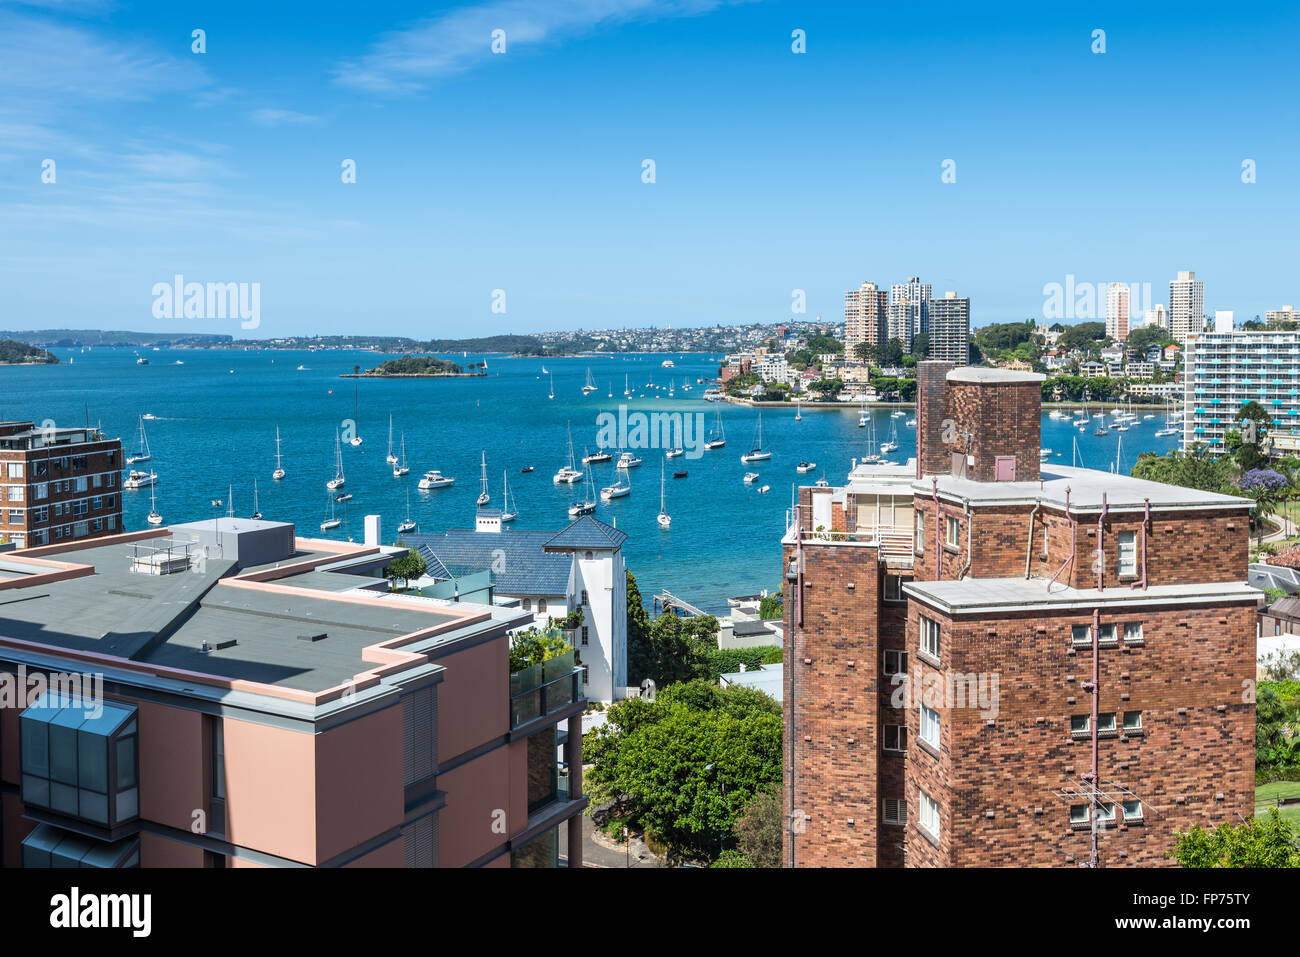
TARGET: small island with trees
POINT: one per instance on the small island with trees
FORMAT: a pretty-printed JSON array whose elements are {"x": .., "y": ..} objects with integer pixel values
[
  {"x": 415, "y": 367},
  {"x": 14, "y": 353}
]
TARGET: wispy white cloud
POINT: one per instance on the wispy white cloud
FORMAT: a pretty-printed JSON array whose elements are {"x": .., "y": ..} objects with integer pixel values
[
  {"x": 273, "y": 117},
  {"x": 409, "y": 60}
]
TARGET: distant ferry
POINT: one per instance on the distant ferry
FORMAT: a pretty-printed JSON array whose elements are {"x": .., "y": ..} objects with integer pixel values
[{"x": 667, "y": 363}]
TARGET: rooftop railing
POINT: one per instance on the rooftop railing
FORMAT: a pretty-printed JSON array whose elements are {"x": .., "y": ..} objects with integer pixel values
[{"x": 544, "y": 689}]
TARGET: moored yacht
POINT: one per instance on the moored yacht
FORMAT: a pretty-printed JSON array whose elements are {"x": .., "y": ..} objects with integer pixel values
[
  {"x": 140, "y": 479},
  {"x": 434, "y": 479}
]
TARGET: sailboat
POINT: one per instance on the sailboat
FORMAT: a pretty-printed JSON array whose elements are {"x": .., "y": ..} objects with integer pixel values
[
  {"x": 587, "y": 505},
  {"x": 757, "y": 453},
  {"x": 568, "y": 474},
  {"x": 332, "y": 521},
  {"x": 717, "y": 438},
  {"x": 390, "y": 458},
  {"x": 892, "y": 444},
  {"x": 401, "y": 468},
  {"x": 407, "y": 525},
  {"x": 509, "y": 510},
  {"x": 552, "y": 392},
  {"x": 356, "y": 412},
  {"x": 622, "y": 486},
  {"x": 798, "y": 412},
  {"x": 872, "y": 455},
  {"x": 611, "y": 388},
  {"x": 590, "y": 385},
  {"x": 664, "y": 520},
  {"x": 672, "y": 384},
  {"x": 154, "y": 518},
  {"x": 484, "y": 497},
  {"x": 589, "y": 457},
  {"x": 279, "y": 468},
  {"x": 142, "y": 453},
  {"x": 257, "y": 512},
  {"x": 627, "y": 391},
  {"x": 337, "y": 481}
]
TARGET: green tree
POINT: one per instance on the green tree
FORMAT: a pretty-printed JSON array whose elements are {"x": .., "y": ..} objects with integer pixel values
[
  {"x": 770, "y": 605},
  {"x": 533, "y": 646},
  {"x": 921, "y": 345},
  {"x": 1277, "y": 748},
  {"x": 1195, "y": 469},
  {"x": 1262, "y": 841},
  {"x": 638, "y": 634},
  {"x": 760, "y": 828},
  {"x": 673, "y": 649},
  {"x": 688, "y": 762},
  {"x": 405, "y": 567}
]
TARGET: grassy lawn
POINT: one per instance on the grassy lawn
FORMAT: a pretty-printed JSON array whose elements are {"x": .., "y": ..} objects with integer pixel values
[{"x": 1267, "y": 793}]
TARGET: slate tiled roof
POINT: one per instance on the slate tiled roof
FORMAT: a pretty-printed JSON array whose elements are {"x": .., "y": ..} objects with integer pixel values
[
  {"x": 1274, "y": 576},
  {"x": 525, "y": 568},
  {"x": 587, "y": 532}
]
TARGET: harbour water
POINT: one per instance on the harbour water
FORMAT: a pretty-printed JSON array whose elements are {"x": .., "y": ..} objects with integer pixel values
[{"x": 217, "y": 414}]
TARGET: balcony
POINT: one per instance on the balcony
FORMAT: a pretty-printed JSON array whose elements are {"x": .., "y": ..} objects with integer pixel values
[{"x": 544, "y": 689}]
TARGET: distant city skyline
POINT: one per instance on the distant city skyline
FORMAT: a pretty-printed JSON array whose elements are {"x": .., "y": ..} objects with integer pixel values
[{"x": 507, "y": 192}]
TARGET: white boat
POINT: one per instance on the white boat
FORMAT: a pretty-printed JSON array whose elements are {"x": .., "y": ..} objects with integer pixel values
[
  {"x": 892, "y": 444},
  {"x": 257, "y": 512},
  {"x": 390, "y": 458},
  {"x": 672, "y": 384},
  {"x": 663, "y": 519},
  {"x": 302, "y": 369},
  {"x": 279, "y": 468},
  {"x": 401, "y": 468},
  {"x": 591, "y": 458},
  {"x": 611, "y": 388},
  {"x": 434, "y": 479},
  {"x": 765, "y": 489},
  {"x": 588, "y": 504},
  {"x": 626, "y": 390},
  {"x": 911, "y": 423},
  {"x": 821, "y": 482},
  {"x": 803, "y": 468},
  {"x": 338, "y": 481},
  {"x": 568, "y": 474},
  {"x": 141, "y": 361},
  {"x": 153, "y": 518},
  {"x": 148, "y": 416},
  {"x": 484, "y": 496},
  {"x": 408, "y": 525},
  {"x": 621, "y": 487},
  {"x": 590, "y": 385},
  {"x": 509, "y": 510},
  {"x": 667, "y": 363},
  {"x": 717, "y": 437},
  {"x": 674, "y": 453},
  {"x": 898, "y": 414},
  {"x": 332, "y": 521},
  {"x": 551, "y": 395},
  {"x": 872, "y": 454},
  {"x": 628, "y": 461},
  {"x": 751, "y": 477},
  {"x": 141, "y": 453},
  {"x": 798, "y": 411},
  {"x": 757, "y": 453},
  {"x": 863, "y": 418},
  {"x": 356, "y": 412},
  {"x": 140, "y": 479}
]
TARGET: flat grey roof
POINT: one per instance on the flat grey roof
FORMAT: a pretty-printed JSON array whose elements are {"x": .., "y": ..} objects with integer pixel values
[
  {"x": 989, "y": 595},
  {"x": 1086, "y": 488},
  {"x": 985, "y": 374}
]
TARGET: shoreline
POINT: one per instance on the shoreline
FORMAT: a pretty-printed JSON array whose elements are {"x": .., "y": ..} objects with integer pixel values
[
  {"x": 1047, "y": 406},
  {"x": 412, "y": 375}
]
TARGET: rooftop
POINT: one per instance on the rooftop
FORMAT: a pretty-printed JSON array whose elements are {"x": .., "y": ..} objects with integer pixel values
[
  {"x": 984, "y": 374},
  {"x": 995, "y": 595}
]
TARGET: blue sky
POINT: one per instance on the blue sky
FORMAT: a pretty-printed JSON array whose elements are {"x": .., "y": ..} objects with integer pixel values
[{"x": 775, "y": 171}]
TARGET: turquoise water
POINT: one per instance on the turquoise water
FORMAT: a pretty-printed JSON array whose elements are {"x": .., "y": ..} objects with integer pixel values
[{"x": 218, "y": 412}]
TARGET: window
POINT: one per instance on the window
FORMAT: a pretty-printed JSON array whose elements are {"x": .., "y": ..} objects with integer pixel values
[
  {"x": 930, "y": 638},
  {"x": 541, "y": 605},
  {"x": 895, "y": 811},
  {"x": 1079, "y": 814},
  {"x": 15, "y": 493},
  {"x": 15, "y": 470},
  {"x": 1132, "y": 812},
  {"x": 929, "y": 814},
  {"x": 1128, "y": 553},
  {"x": 1133, "y": 632},
  {"x": 930, "y": 726},
  {"x": 895, "y": 662},
  {"x": 584, "y": 635},
  {"x": 1132, "y": 722},
  {"x": 584, "y": 596},
  {"x": 894, "y": 587},
  {"x": 1106, "y": 722},
  {"x": 1105, "y": 814},
  {"x": 953, "y": 526},
  {"x": 589, "y": 556},
  {"x": 895, "y": 737},
  {"x": 1109, "y": 634},
  {"x": 1081, "y": 634},
  {"x": 528, "y": 604},
  {"x": 920, "y": 533},
  {"x": 41, "y": 491},
  {"x": 1080, "y": 725}
]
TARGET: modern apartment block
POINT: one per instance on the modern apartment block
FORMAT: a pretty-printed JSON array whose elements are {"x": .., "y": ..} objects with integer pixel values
[
  {"x": 1186, "y": 306},
  {"x": 1274, "y": 318},
  {"x": 993, "y": 660},
  {"x": 1226, "y": 368},
  {"x": 909, "y": 311},
  {"x": 1117, "y": 311},
  {"x": 950, "y": 329},
  {"x": 866, "y": 317},
  {"x": 227, "y": 694},
  {"x": 60, "y": 484},
  {"x": 1157, "y": 317}
]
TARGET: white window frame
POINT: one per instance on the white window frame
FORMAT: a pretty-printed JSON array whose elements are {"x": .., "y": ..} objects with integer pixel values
[
  {"x": 1128, "y": 536},
  {"x": 1106, "y": 723},
  {"x": 1131, "y": 728},
  {"x": 1134, "y": 638},
  {"x": 931, "y": 644},
  {"x": 931, "y": 726},
  {"x": 1077, "y": 730},
  {"x": 1080, "y": 635},
  {"x": 920, "y": 533},
  {"x": 1080, "y": 813},
  {"x": 929, "y": 817},
  {"x": 952, "y": 532},
  {"x": 1136, "y": 816}
]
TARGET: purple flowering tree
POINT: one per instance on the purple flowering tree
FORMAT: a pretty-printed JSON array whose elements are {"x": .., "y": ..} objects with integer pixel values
[{"x": 1266, "y": 487}]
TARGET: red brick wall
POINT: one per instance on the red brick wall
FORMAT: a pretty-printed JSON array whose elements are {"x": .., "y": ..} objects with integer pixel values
[
  {"x": 932, "y": 454},
  {"x": 1002, "y": 418}
]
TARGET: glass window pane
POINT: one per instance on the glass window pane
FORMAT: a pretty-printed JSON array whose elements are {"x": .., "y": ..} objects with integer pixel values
[
  {"x": 128, "y": 804},
  {"x": 63, "y": 754},
  {"x": 92, "y": 760},
  {"x": 63, "y": 798},
  {"x": 126, "y": 777},
  {"x": 94, "y": 806},
  {"x": 35, "y": 747}
]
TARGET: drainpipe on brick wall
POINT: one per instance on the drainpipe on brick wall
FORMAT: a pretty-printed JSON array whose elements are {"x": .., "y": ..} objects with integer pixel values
[
  {"x": 797, "y": 620},
  {"x": 1074, "y": 528},
  {"x": 970, "y": 523},
  {"x": 938, "y": 534},
  {"x": 1029, "y": 545},
  {"x": 1101, "y": 551},
  {"x": 1146, "y": 520}
]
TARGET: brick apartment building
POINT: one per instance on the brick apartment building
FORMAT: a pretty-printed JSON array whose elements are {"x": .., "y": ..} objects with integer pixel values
[
  {"x": 60, "y": 484},
  {"x": 1007, "y": 591},
  {"x": 263, "y": 700}
]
